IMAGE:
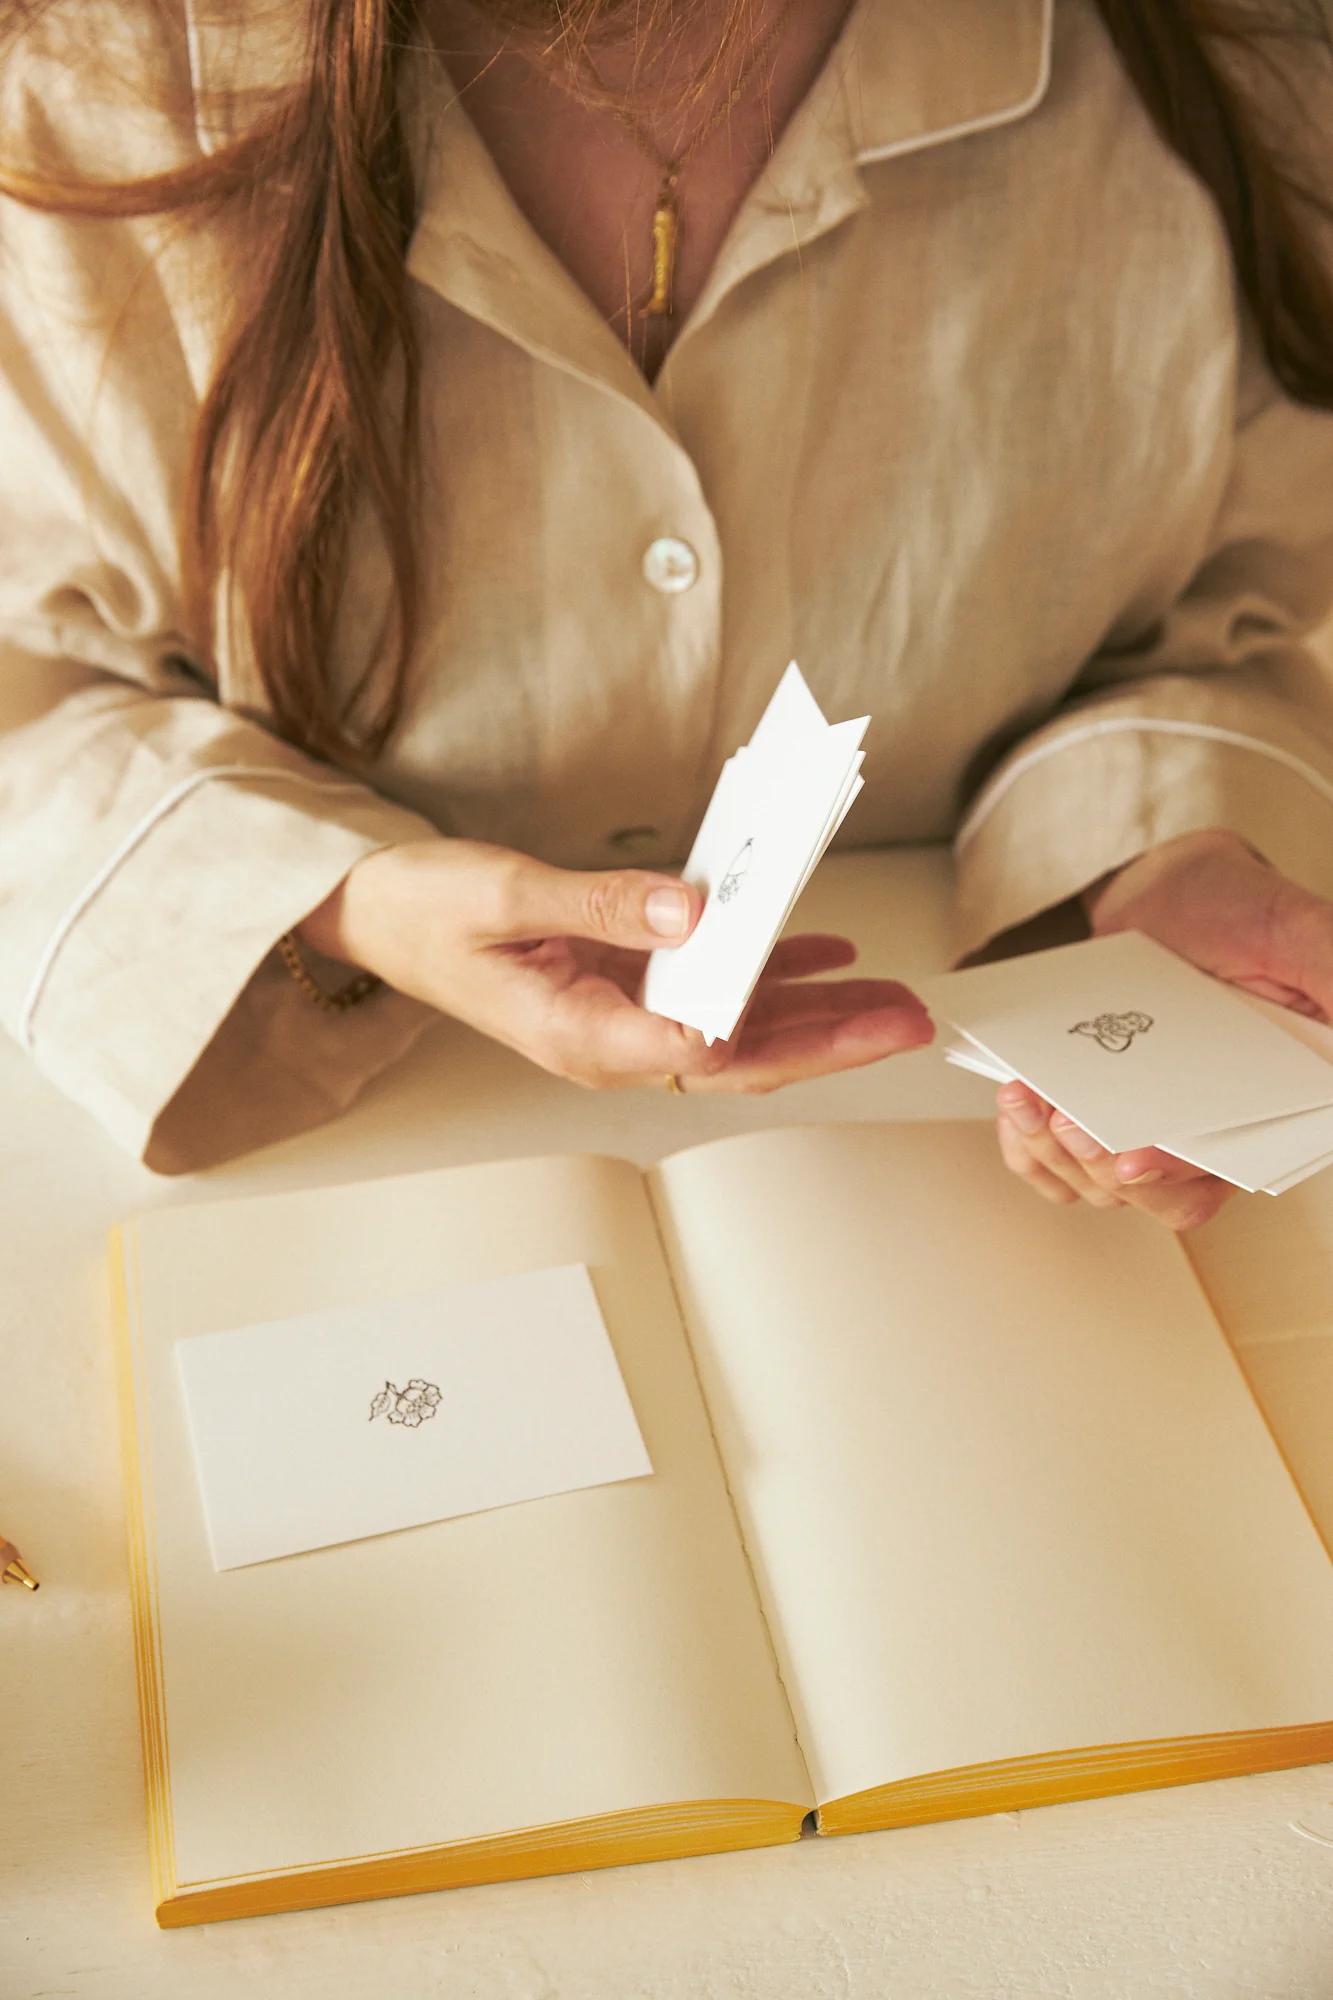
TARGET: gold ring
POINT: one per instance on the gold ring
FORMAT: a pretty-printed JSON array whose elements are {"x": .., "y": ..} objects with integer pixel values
[{"x": 675, "y": 1086}]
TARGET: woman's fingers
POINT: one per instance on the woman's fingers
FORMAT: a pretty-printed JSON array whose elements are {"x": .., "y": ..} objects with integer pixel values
[
  {"x": 1021, "y": 1161},
  {"x": 795, "y": 958},
  {"x": 786, "y": 1003},
  {"x": 593, "y": 1034},
  {"x": 632, "y": 1046},
  {"x": 631, "y": 908},
  {"x": 567, "y": 950},
  {"x": 1045, "y": 1148},
  {"x": 807, "y": 952},
  {"x": 791, "y": 1053},
  {"x": 1035, "y": 1139},
  {"x": 1170, "y": 1190},
  {"x": 1150, "y": 1167},
  {"x": 572, "y": 1007}
]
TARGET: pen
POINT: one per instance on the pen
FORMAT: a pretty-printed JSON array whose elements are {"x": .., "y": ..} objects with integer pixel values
[{"x": 13, "y": 1569}]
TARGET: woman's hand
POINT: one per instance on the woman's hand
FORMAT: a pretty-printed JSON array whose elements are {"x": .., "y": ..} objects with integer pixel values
[
  {"x": 549, "y": 962},
  {"x": 1212, "y": 900}
]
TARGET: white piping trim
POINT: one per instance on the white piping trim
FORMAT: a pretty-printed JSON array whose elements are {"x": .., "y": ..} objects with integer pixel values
[
  {"x": 98, "y": 882},
  {"x": 918, "y": 141},
  {"x": 1135, "y": 725}
]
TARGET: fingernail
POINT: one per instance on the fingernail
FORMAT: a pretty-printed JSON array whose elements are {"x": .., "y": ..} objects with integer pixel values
[
  {"x": 1142, "y": 1180},
  {"x": 667, "y": 912}
]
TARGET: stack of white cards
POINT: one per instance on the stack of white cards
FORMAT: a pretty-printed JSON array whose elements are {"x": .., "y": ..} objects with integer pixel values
[
  {"x": 1142, "y": 1049},
  {"x": 776, "y": 807}
]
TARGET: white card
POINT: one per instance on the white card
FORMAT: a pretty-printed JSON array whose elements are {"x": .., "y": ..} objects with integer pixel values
[
  {"x": 1271, "y": 1154},
  {"x": 792, "y": 717},
  {"x": 1268, "y": 1157},
  {"x": 777, "y": 804},
  {"x": 966, "y": 1055},
  {"x": 1265, "y": 1158},
  {"x": 337, "y": 1425},
  {"x": 1302, "y": 1174},
  {"x": 1131, "y": 1042},
  {"x": 1276, "y": 1153}
]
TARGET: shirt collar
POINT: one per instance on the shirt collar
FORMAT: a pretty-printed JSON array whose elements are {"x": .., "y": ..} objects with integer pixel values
[
  {"x": 913, "y": 73},
  {"x": 902, "y": 76},
  {"x": 927, "y": 71}
]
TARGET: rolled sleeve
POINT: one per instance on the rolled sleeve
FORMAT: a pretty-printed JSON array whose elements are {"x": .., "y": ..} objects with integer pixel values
[
  {"x": 139, "y": 974},
  {"x": 153, "y": 850},
  {"x": 1086, "y": 797},
  {"x": 1213, "y": 710}
]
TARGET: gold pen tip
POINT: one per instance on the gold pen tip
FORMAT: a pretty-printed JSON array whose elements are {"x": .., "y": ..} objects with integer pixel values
[{"x": 16, "y": 1571}]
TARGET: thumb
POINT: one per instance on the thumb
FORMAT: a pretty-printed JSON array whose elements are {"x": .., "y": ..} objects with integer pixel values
[
  {"x": 629, "y": 907},
  {"x": 1303, "y": 956}
]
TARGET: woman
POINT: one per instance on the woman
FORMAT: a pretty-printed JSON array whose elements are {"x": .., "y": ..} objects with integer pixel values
[{"x": 419, "y": 465}]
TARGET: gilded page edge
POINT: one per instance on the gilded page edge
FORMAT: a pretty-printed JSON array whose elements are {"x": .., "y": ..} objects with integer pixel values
[
  {"x": 1067, "y": 1776},
  {"x": 717, "y": 1826},
  {"x": 136, "y": 1475}
]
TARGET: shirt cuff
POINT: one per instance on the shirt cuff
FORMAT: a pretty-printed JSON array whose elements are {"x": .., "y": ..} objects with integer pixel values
[
  {"x": 164, "y": 971},
  {"x": 1086, "y": 802}
]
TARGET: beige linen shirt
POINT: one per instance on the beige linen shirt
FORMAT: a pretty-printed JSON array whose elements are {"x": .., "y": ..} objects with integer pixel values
[{"x": 966, "y": 419}]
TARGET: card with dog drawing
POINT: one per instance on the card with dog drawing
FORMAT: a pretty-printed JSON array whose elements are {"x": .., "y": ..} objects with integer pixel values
[{"x": 1131, "y": 1042}]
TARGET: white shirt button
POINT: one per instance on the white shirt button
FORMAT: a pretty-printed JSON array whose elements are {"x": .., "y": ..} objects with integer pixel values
[{"x": 670, "y": 565}]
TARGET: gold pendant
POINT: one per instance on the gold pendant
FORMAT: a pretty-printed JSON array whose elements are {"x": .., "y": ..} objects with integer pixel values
[{"x": 666, "y": 230}]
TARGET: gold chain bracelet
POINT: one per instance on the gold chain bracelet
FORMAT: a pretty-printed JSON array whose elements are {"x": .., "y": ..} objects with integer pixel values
[{"x": 333, "y": 1003}]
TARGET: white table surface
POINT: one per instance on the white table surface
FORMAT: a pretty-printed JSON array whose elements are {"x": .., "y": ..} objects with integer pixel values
[{"x": 1205, "y": 1892}]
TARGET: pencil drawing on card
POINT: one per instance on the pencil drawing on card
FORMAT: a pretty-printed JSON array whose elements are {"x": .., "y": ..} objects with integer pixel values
[
  {"x": 730, "y": 884},
  {"x": 410, "y": 1406},
  {"x": 1114, "y": 1032}
]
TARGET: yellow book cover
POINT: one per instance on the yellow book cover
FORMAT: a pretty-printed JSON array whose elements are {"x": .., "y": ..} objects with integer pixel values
[{"x": 958, "y": 1504}]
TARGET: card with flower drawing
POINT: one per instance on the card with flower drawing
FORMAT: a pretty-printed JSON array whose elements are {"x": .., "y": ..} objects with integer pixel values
[
  {"x": 355, "y": 1421},
  {"x": 776, "y": 806}
]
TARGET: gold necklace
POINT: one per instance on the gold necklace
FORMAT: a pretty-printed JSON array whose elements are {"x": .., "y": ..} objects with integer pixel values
[{"x": 666, "y": 211}]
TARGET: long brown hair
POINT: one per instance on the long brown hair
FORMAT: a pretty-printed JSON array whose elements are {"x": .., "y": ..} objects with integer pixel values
[{"x": 314, "y": 401}]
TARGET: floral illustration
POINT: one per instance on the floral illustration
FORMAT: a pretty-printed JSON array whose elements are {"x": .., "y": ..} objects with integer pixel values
[
  {"x": 1114, "y": 1032},
  {"x": 410, "y": 1406},
  {"x": 735, "y": 875}
]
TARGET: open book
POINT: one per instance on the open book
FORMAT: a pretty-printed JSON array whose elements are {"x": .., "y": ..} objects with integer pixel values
[{"x": 959, "y": 1503}]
